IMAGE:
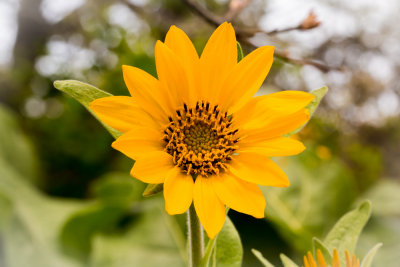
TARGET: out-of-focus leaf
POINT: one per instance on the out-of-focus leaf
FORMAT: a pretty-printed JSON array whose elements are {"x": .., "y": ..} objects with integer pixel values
[
  {"x": 310, "y": 204},
  {"x": 85, "y": 93},
  {"x": 287, "y": 262},
  {"x": 15, "y": 147},
  {"x": 152, "y": 189},
  {"x": 115, "y": 192},
  {"x": 345, "y": 232},
  {"x": 29, "y": 221},
  {"x": 30, "y": 225},
  {"x": 261, "y": 258},
  {"x": 319, "y": 245},
  {"x": 228, "y": 247},
  {"x": 367, "y": 261},
  {"x": 146, "y": 243},
  {"x": 318, "y": 94},
  {"x": 384, "y": 230},
  {"x": 117, "y": 187},
  {"x": 385, "y": 195}
]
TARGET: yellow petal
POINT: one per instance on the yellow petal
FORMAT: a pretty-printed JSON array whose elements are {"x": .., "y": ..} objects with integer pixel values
[
  {"x": 258, "y": 169},
  {"x": 147, "y": 92},
  {"x": 239, "y": 195},
  {"x": 152, "y": 167},
  {"x": 348, "y": 261},
  {"x": 209, "y": 208},
  {"x": 335, "y": 259},
  {"x": 122, "y": 113},
  {"x": 277, "y": 126},
  {"x": 172, "y": 75},
  {"x": 178, "y": 191},
  {"x": 246, "y": 78},
  {"x": 305, "y": 260},
  {"x": 261, "y": 109},
  {"x": 183, "y": 48},
  {"x": 320, "y": 259},
  {"x": 311, "y": 260},
  {"x": 218, "y": 59},
  {"x": 138, "y": 141},
  {"x": 275, "y": 147}
]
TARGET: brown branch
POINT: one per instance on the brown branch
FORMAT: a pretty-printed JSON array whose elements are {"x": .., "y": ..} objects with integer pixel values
[
  {"x": 308, "y": 23},
  {"x": 235, "y": 7}
]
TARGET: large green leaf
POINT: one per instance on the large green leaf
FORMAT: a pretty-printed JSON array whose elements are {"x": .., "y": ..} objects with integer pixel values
[
  {"x": 345, "y": 232},
  {"x": 85, "y": 93},
  {"x": 228, "y": 249}
]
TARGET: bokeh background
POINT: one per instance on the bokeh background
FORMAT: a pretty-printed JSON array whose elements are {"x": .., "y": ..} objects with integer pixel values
[{"x": 66, "y": 198}]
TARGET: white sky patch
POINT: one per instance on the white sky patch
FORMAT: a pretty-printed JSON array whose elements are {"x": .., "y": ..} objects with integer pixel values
[
  {"x": 122, "y": 16},
  {"x": 8, "y": 29},
  {"x": 55, "y": 10},
  {"x": 388, "y": 103}
]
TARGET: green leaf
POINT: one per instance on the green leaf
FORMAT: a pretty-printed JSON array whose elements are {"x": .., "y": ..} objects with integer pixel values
[
  {"x": 318, "y": 94},
  {"x": 228, "y": 249},
  {"x": 345, "y": 232},
  {"x": 318, "y": 244},
  {"x": 153, "y": 189},
  {"x": 287, "y": 262},
  {"x": 261, "y": 258},
  {"x": 367, "y": 261},
  {"x": 85, "y": 93},
  {"x": 239, "y": 51}
]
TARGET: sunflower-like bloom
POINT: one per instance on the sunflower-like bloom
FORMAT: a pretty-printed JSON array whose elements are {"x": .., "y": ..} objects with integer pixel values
[
  {"x": 310, "y": 262},
  {"x": 198, "y": 129}
]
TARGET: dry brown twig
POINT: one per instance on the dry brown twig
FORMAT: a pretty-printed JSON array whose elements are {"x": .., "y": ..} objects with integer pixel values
[{"x": 236, "y": 6}]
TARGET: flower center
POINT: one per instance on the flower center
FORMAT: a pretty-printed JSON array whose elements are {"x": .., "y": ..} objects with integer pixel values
[{"x": 201, "y": 139}]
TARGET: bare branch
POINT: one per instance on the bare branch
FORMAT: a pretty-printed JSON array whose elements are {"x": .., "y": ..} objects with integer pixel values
[
  {"x": 308, "y": 23},
  {"x": 235, "y": 7}
]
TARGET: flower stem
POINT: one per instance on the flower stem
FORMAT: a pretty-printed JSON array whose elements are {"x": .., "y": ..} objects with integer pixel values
[{"x": 195, "y": 238}]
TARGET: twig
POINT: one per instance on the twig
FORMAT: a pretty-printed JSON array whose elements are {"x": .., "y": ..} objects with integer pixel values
[{"x": 308, "y": 23}]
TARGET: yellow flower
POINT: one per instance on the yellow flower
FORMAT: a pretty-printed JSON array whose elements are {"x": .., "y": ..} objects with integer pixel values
[
  {"x": 310, "y": 262},
  {"x": 198, "y": 129}
]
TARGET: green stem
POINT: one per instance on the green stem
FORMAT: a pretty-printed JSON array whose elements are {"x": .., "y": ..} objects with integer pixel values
[
  {"x": 207, "y": 254},
  {"x": 195, "y": 238}
]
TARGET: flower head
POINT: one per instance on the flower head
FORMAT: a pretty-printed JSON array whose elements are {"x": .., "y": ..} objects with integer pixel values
[
  {"x": 199, "y": 130},
  {"x": 310, "y": 262}
]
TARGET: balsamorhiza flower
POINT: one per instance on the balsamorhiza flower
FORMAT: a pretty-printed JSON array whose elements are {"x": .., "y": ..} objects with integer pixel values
[
  {"x": 310, "y": 262},
  {"x": 198, "y": 129}
]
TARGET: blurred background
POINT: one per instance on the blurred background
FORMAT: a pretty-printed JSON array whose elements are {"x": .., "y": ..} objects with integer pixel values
[{"x": 66, "y": 197}]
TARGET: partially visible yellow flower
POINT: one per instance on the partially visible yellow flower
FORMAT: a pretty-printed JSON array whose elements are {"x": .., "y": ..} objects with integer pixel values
[
  {"x": 198, "y": 129},
  {"x": 310, "y": 262}
]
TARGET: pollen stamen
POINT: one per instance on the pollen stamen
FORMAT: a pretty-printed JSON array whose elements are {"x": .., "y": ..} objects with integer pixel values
[{"x": 201, "y": 139}]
